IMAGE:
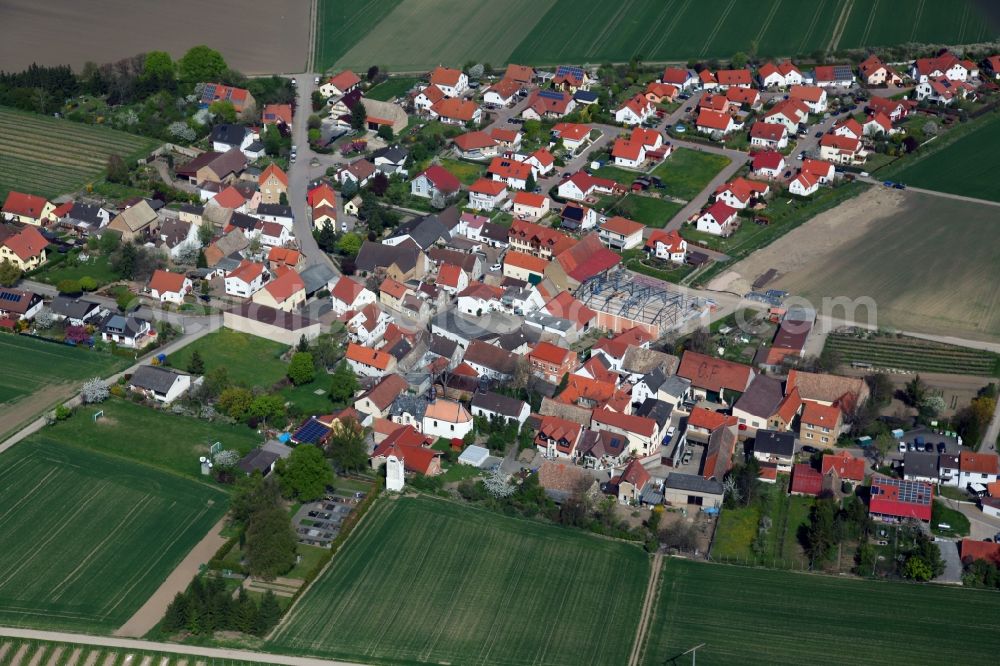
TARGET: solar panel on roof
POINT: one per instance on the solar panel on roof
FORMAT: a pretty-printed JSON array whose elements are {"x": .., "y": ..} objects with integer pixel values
[
  {"x": 567, "y": 69},
  {"x": 550, "y": 94},
  {"x": 311, "y": 432},
  {"x": 7, "y": 296}
]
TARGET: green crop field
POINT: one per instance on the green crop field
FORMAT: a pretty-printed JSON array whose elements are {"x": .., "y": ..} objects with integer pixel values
[
  {"x": 61, "y": 654},
  {"x": 248, "y": 359},
  {"x": 957, "y": 167},
  {"x": 401, "y": 34},
  {"x": 87, "y": 538},
  {"x": 903, "y": 353},
  {"x": 28, "y": 365},
  {"x": 171, "y": 442},
  {"x": 48, "y": 156},
  {"x": 429, "y": 581},
  {"x": 761, "y": 616}
]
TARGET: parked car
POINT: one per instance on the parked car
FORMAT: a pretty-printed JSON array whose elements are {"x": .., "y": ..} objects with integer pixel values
[
  {"x": 515, "y": 121},
  {"x": 928, "y": 447},
  {"x": 818, "y": 135},
  {"x": 810, "y": 449},
  {"x": 902, "y": 447},
  {"x": 899, "y": 186},
  {"x": 942, "y": 447}
]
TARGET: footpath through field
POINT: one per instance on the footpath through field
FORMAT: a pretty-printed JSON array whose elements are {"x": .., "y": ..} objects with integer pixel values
[
  {"x": 171, "y": 648},
  {"x": 647, "y": 609}
]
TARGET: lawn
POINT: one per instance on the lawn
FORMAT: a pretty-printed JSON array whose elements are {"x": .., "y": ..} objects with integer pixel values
[
  {"x": 651, "y": 211},
  {"x": 88, "y": 537},
  {"x": 430, "y": 581},
  {"x": 617, "y": 174},
  {"x": 28, "y": 365},
  {"x": 49, "y": 156},
  {"x": 737, "y": 530},
  {"x": 71, "y": 268},
  {"x": 950, "y": 167},
  {"x": 687, "y": 172},
  {"x": 249, "y": 360},
  {"x": 157, "y": 438},
  {"x": 394, "y": 87},
  {"x": 466, "y": 172},
  {"x": 640, "y": 262},
  {"x": 943, "y": 514}
]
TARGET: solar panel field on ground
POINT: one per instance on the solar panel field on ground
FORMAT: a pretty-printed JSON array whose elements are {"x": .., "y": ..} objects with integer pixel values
[
  {"x": 87, "y": 538},
  {"x": 430, "y": 581},
  {"x": 763, "y": 616},
  {"x": 47, "y": 156},
  {"x": 414, "y": 35}
]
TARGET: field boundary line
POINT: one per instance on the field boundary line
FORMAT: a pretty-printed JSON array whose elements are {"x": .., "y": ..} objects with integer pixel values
[
  {"x": 840, "y": 26},
  {"x": 812, "y": 25},
  {"x": 871, "y": 22},
  {"x": 917, "y": 15},
  {"x": 652, "y": 588},
  {"x": 768, "y": 20},
  {"x": 718, "y": 26}
]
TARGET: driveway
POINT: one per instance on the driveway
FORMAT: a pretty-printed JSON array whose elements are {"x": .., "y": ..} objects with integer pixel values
[{"x": 952, "y": 562}]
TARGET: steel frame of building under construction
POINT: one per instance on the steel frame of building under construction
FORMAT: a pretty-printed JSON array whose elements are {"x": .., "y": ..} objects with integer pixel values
[{"x": 636, "y": 297}]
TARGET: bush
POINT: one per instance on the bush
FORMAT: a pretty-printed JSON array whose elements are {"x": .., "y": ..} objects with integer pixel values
[
  {"x": 63, "y": 412},
  {"x": 69, "y": 287}
]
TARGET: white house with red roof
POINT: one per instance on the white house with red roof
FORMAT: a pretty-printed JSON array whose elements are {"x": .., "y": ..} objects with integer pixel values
[
  {"x": 582, "y": 185},
  {"x": 718, "y": 219},
  {"x": 167, "y": 287},
  {"x": 367, "y": 325},
  {"x": 841, "y": 149},
  {"x": 850, "y": 128},
  {"x": 573, "y": 135},
  {"x": 790, "y": 113},
  {"x": 426, "y": 98},
  {"x": 734, "y": 78},
  {"x": 456, "y": 111},
  {"x": 714, "y": 122},
  {"x": 628, "y": 153},
  {"x": 767, "y": 164},
  {"x": 667, "y": 245},
  {"x": 476, "y": 145},
  {"x": 452, "y": 278},
  {"x": 340, "y": 84},
  {"x": 942, "y": 90},
  {"x": 823, "y": 171},
  {"x": 768, "y": 135},
  {"x": 542, "y": 161},
  {"x": 548, "y": 104},
  {"x": 657, "y": 92},
  {"x": 452, "y": 82},
  {"x": 530, "y": 206},
  {"x": 510, "y": 171},
  {"x": 878, "y": 123},
  {"x": 28, "y": 209},
  {"x": 681, "y": 77},
  {"x": 947, "y": 65},
  {"x": 804, "y": 184},
  {"x": 874, "y": 72},
  {"x": 26, "y": 249},
  {"x": 829, "y": 76},
  {"x": 635, "y": 111},
  {"x": 813, "y": 97},
  {"x": 782, "y": 75},
  {"x": 739, "y": 192},
  {"x": 502, "y": 93},
  {"x": 246, "y": 279},
  {"x": 434, "y": 181},
  {"x": 348, "y": 294},
  {"x": 487, "y": 194}
]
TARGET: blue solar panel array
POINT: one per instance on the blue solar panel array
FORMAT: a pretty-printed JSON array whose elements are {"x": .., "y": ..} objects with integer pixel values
[
  {"x": 8, "y": 296},
  {"x": 911, "y": 492},
  {"x": 551, "y": 94},
  {"x": 576, "y": 72},
  {"x": 311, "y": 432}
]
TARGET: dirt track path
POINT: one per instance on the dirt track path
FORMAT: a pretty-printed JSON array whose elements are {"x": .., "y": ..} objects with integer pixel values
[
  {"x": 152, "y": 611},
  {"x": 647, "y": 610}
]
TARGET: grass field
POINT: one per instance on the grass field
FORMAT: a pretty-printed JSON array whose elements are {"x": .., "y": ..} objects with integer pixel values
[
  {"x": 97, "y": 267},
  {"x": 650, "y": 211},
  {"x": 466, "y": 172},
  {"x": 928, "y": 267},
  {"x": 249, "y": 360},
  {"x": 28, "y": 365},
  {"x": 686, "y": 172},
  {"x": 394, "y": 87},
  {"x": 87, "y": 537},
  {"x": 430, "y": 581},
  {"x": 904, "y": 353},
  {"x": 160, "y": 439},
  {"x": 952, "y": 167},
  {"x": 549, "y": 32},
  {"x": 738, "y": 527},
  {"x": 761, "y": 616},
  {"x": 48, "y": 156}
]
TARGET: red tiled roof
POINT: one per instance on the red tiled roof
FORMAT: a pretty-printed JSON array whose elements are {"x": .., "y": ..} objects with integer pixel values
[
  {"x": 734, "y": 77},
  {"x": 742, "y": 95},
  {"x": 672, "y": 239},
  {"x": 627, "y": 149},
  {"x": 230, "y": 198},
  {"x": 571, "y": 131},
  {"x": 550, "y": 353},
  {"x": 27, "y": 243},
  {"x": 394, "y": 288},
  {"x": 565, "y": 433},
  {"x": 526, "y": 261},
  {"x": 885, "y": 498},
  {"x": 639, "y": 425},
  {"x": 623, "y": 225},
  {"x": 284, "y": 255},
  {"x": 285, "y": 285},
  {"x": 971, "y": 549},
  {"x": 366, "y": 356},
  {"x": 806, "y": 480},
  {"x": 635, "y": 474},
  {"x": 661, "y": 89},
  {"x": 445, "y": 76},
  {"x": 817, "y": 168},
  {"x": 720, "y": 212},
  {"x": 706, "y": 419},
  {"x": 488, "y": 187},
  {"x": 346, "y": 290},
  {"x": 587, "y": 258},
  {"x": 519, "y": 73},
  {"x": 26, "y": 205},
  {"x": 274, "y": 112},
  {"x": 565, "y": 306},
  {"x": 767, "y": 159},
  {"x": 509, "y": 168},
  {"x": 345, "y": 80},
  {"x": 743, "y": 189},
  {"x": 505, "y": 88},
  {"x": 504, "y": 135},
  {"x": 448, "y": 275},
  {"x": 826, "y": 416},
  {"x": 675, "y": 75},
  {"x": 455, "y": 107},
  {"x": 714, "y": 374},
  {"x": 472, "y": 140},
  {"x": 247, "y": 271},
  {"x": 165, "y": 281},
  {"x": 768, "y": 131},
  {"x": 714, "y": 119},
  {"x": 275, "y": 170},
  {"x": 847, "y": 466},
  {"x": 529, "y": 199},
  {"x": 981, "y": 463},
  {"x": 320, "y": 193},
  {"x": 844, "y": 143},
  {"x": 441, "y": 178},
  {"x": 806, "y": 93}
]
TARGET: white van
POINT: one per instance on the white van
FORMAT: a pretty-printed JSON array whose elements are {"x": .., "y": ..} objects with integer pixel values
[{"x": 902, "y": 447}]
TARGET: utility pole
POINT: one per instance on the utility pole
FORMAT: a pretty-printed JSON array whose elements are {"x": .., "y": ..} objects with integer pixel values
[{"x": 694, "y": 653}]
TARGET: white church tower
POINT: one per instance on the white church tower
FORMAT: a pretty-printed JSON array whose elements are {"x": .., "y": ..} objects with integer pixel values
[{"x": 394, "y": 474}]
